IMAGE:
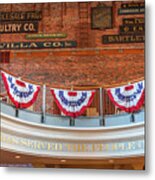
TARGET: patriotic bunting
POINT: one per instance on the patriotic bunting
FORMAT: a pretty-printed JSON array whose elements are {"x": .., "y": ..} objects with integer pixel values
[
  {"x": 21, "y": 93},
  {"x": 72, "y": 103},
  {"x": 128, "y": 98}
]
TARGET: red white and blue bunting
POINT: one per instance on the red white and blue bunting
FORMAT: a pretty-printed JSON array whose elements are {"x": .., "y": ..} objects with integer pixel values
[
  {"x": 72, "y": 103},
  {"x": 21, "y": 93},
  {"x": 128, "y": 98}
]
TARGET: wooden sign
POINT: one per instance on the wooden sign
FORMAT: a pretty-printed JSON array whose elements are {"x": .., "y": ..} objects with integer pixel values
[
  {"x": 20, "y": 16},
  {"x": 133, "y": 21},
  {"x": 132, "y": 29},
  {"x": 131, "y": 11},
  {"x": 18, "y": 27},
  {"x": 133, "y": 5},
  {"x": 112, "y": 39},
  {"x": 38, "y": 45},
  {"x": 101, "y": 17},
  {"x": 132, "y": 8},
  {"x": 43, "y": 36}
]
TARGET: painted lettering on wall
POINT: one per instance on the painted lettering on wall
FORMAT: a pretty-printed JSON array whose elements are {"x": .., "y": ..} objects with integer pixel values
[
  {"x": 38, "y": 45},
  {"x": 37, "y": 145},
  {"x": 111, "y": 39},
  {"x": 18, "y": 27},
  {"x": 20, "y": 16},
  {"x": 43, "y": 36},
  {"x": 130, "y": 29},
  {"x": 133, "y": 5},
  {"x": 133, "y": 21},
  {"x": 132, "y": 8}
]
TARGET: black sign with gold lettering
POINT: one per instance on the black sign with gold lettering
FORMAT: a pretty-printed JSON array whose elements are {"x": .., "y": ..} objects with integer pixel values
[
  {"x": 20, "y": 16},
  {"x": 18, "y": 27},
  {"x": 38, "y": 45},
  {"x": 132, "y": 8},
  {"x": 134, "y": 29},
  {"x": 133, "y": 5},
  {"x": 112, "y": 39},
  {"x": 131, "y": 11},
  {"x": 101, "y": 17},
  {"x": 133, "y": 21}
]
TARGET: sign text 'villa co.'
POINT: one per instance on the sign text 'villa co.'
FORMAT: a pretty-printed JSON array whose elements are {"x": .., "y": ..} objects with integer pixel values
[{"x": 38, "y": 45}]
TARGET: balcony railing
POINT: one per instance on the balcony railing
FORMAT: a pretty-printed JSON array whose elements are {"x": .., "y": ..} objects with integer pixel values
[{"x": 82, "y": 121}]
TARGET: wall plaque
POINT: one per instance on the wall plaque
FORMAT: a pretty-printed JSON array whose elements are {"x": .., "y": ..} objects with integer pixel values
[
  {"x": 43, "y": 36},
  {"x": 20, "y": 16},
  {"x": 132, "y": 8},
  {"x": 132, "y": 29},
  {"x": 18, "y": 27},
  {"x": 112, "y": 39},
  {"x": 133, "y": 5},
  {"x": 133, "y": 21},
  {"x": 38, "y": 45},
  {"x": 101, "y": 17},
  {"x": 131, "y": 11}
]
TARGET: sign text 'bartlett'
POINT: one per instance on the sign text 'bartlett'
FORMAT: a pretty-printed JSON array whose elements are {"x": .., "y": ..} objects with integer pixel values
[{"x": 111, "y": 39}]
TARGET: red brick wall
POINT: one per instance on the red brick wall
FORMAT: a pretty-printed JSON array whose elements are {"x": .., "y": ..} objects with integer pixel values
[
  {"x": 65, "y": 71},
  {"x": 64, "y": 17},
  {"x": 96, "y": 64}
]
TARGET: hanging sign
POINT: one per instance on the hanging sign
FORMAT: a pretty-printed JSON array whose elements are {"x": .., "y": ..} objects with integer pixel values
[
  {"x": 18, "y": 27},
  {"x": 21, "y": 93},
  {"x": 112, "y": 39},
  {"x": 44, "y": 36},
  {"x": 133, "y": 5},
  {"x": 128, "y": 11},
  {"x": 38, "y": 45},
  {"x": 128, "y": 98},
  {"x": 72, "y": 103},
  {"x": 132, "y": 29},
  {"x": 133, "y": 21},
  {"x": 132, "y": 8},
  {"x": 20, "y": 16}
]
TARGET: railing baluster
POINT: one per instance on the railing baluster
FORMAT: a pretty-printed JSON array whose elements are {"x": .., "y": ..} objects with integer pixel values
[
  {"x": 102, "y": 123},
  {"x": 72, "y": 121},
  {"x": 44, "y": 104},
  {"x": 132, "y": 117}
]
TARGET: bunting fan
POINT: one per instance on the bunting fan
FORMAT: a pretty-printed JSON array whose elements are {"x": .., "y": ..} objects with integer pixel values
[
  {"x": 21, "y": 93},
  {"x": 72, "y": 103},
  {"x": 128, "y": 98}
]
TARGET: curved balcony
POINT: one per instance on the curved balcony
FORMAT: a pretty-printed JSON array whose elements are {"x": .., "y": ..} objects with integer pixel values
[{"x": 55, "y": 138}]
